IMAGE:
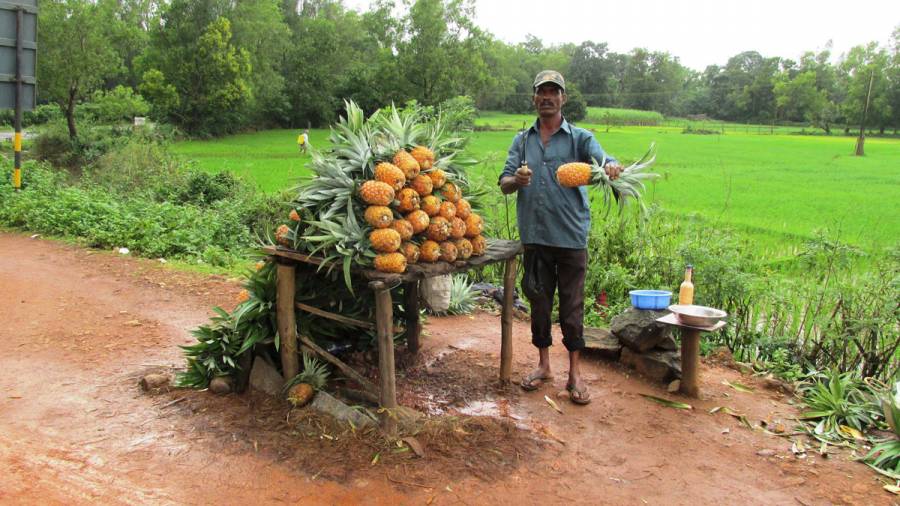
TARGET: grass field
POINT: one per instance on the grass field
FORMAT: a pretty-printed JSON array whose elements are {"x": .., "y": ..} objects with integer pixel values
[{"x": 778, "y": 189}]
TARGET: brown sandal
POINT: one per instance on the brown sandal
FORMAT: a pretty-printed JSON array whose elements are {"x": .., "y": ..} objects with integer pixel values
[
  {"x": 581, "y": 397},
  {"x": 533, "y": 381}
]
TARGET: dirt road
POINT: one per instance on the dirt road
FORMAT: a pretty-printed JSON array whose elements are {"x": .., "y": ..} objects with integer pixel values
[{"x": 80, "y": 327}]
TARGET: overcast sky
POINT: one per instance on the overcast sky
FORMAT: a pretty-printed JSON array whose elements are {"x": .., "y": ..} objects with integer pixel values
[{"x": 699, "y": 32}]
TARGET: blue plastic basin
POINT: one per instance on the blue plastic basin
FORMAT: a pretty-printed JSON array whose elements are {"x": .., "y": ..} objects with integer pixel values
[{"x": 650, "y": 299}]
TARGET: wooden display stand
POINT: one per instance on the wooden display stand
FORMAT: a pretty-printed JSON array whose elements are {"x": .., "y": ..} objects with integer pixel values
[
  {"x": 690, "y": 352},
  {"x": 287, "y": 259}
]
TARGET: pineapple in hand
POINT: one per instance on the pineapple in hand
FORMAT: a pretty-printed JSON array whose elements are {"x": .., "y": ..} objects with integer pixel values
[{"x": 624, "y": 184}]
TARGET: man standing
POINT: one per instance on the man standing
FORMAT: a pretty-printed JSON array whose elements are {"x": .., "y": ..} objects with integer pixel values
[{"x": 553, "y": 225}]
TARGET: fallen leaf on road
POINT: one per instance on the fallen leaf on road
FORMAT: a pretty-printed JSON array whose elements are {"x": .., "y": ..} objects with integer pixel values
[
  {"x": 553, "y": 404},
  {"x": 667, "y": 402},
  {"x": 737, "y": 386}
]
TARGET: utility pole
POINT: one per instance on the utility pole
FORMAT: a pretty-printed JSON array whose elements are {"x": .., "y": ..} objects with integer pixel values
[{"x": 861, "y": 140}]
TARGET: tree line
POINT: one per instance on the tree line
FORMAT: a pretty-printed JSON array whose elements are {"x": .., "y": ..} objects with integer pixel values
[{"x": 213, "y": 67}]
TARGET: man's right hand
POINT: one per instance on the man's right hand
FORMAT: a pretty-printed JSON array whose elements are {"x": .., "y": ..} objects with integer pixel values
[{"x": 523, "y": 176}]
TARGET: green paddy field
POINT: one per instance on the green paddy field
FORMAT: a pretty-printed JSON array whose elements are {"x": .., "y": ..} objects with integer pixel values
[{"x": 777, "y": 188}]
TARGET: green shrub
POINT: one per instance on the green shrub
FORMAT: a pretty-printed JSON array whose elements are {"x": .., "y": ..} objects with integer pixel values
[
  {"x": 114, "y": 106},
  {"x": 459, "y": 113},
  {"x": 138, "y": 167}
]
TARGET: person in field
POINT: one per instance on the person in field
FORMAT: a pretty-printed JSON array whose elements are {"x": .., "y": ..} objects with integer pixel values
[
  {"x": 553, "y": 225},
  {"x": 303, "y": 142}
]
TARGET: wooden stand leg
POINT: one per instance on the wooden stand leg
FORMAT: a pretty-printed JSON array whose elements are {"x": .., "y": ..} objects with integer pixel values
[
  {"x": 287, "y": 322},
  {"x": 385, "y": 322},
  {"x": 506, "y": 351},
  {"x": 690, "y": 362},
  {"x": 411, "y": 308}
]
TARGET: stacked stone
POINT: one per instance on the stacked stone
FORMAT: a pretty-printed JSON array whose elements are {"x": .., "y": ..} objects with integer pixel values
[{"x": 637, "y": 340}]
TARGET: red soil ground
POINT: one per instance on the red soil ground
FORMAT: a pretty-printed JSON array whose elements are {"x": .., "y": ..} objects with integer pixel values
[{"x": 80, "y": 327}]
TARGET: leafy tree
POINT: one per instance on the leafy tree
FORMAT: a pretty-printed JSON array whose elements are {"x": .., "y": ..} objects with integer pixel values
[
  {"x": 162, "y": 96},
  {"x": 76, "y": 54},
  {"x": 592, "y": 71},
  {"x": 576, "y": 107},
  {"x": 260, "y": 30},
  {"x": 441, "y": 56},
  {"x": 864, "y": 71},
  {"x": 194, "y": 54}
]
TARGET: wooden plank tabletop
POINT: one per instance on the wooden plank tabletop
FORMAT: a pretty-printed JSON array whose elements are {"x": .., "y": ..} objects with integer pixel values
[{"x": 497, "y": 250}]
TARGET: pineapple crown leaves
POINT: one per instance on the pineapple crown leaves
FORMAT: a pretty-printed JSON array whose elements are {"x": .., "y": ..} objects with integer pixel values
[
  {"x": 396, "y": 130},
  {"x": 629, "y": 184},
  {"x": 352, "y": 140},
  {"x": 315, "y": 374}
]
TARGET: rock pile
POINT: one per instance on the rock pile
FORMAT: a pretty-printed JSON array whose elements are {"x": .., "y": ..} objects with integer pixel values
[{"x": 636, "y": 339}]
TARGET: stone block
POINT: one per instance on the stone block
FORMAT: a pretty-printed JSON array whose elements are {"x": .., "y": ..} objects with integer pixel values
[
  {"x": 602, "y": 342},
  {"x": 661, "y": 366},
  {"x": 265, "y": 378},
  {"x": 639, "y": 330}
]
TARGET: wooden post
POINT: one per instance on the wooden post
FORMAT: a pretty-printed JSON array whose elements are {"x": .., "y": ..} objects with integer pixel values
[
  {"x": 384, "y": 321},
  {"x": 287, "y": 321},
  {"x": 411, "y": 308},
  {"x": 690, "y": 361},
  {"x": 506, "y": 351}
]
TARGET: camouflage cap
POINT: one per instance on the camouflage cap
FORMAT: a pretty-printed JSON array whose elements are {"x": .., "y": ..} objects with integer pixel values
[{"x": 549, "y": 76}]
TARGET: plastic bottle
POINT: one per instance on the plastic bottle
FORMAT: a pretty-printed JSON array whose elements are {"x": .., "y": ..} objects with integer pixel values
[{"x": 686, "y": 292}]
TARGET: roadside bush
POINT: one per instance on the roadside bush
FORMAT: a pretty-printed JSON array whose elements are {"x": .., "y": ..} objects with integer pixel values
[{"x": 114, "y": 106}]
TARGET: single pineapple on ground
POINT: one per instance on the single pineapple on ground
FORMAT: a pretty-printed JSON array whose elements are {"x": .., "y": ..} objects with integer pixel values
[
  {"x": 379, "y": 216},
  {"x": 376, "y": 193},
  {"x": 390, "y": 174},
  {"x": 300, "y": 394},
  {"x": 390, "y": 262},
  {"x": 301, "y": 388},
  {"x": 385, "y": 240}
]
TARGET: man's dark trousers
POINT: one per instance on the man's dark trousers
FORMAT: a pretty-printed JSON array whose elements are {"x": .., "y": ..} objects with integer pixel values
[{"x": 565, "y": 269}]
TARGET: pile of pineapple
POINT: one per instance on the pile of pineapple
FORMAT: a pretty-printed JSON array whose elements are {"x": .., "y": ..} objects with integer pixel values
[
  {"x": 388, "y": 194},
  {"x": 417, "y": 215}
]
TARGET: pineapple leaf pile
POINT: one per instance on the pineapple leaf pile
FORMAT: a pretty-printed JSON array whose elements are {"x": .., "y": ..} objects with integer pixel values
[
  {"x": 629, "y": 184},
  {"x": 388, "y": 194}
]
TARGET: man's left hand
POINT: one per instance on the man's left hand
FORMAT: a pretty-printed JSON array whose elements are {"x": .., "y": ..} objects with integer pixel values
[{"x": 613, "y": 169}]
